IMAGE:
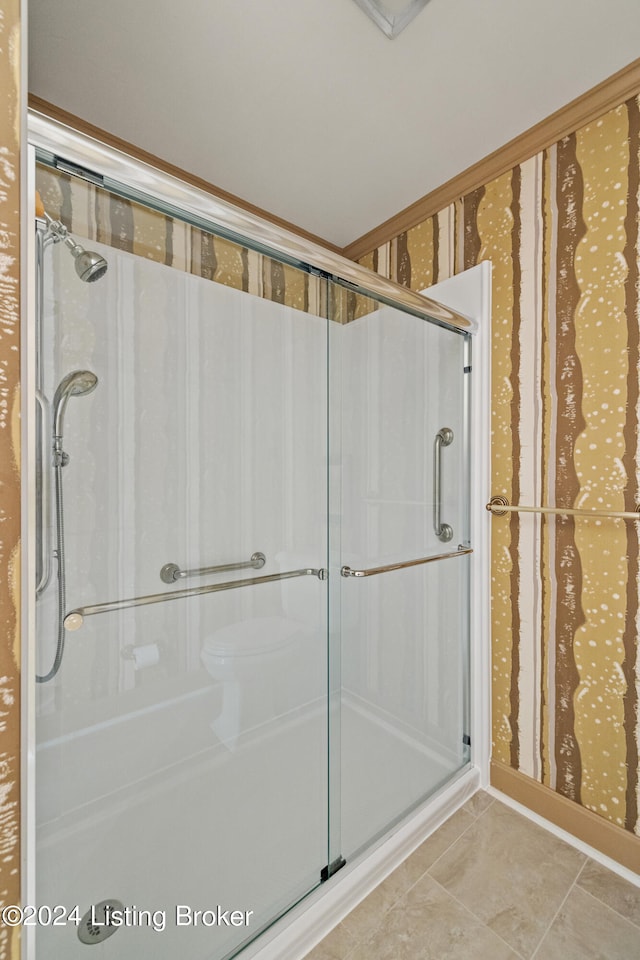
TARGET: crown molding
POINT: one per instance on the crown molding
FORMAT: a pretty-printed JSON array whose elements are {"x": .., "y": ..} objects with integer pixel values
[{"x": 594, "y": 103}]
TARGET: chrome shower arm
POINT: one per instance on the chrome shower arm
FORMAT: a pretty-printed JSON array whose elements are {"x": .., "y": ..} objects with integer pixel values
[{"x": 56, "y": 228}]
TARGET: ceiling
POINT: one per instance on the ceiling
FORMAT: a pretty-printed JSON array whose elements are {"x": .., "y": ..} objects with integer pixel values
[{"x": 305, "y": 108}]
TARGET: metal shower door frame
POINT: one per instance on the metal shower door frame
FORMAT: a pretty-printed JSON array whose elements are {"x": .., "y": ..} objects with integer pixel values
[{"x": 44, "y": 133}]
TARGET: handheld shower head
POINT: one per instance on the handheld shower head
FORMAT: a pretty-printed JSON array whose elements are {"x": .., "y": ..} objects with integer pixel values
[{"x": 76, "y": 384}]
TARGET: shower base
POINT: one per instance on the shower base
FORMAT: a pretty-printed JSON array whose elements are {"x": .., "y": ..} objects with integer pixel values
[{"x": 225, "y": 830}]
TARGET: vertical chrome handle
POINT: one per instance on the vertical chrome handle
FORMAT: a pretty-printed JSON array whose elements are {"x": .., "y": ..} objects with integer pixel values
[
  {"x": 443, "y": 438},
  {"x": 43, "y": 494}
]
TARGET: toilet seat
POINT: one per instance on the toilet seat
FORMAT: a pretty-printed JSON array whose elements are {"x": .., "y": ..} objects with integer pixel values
[{"x": 252, "y": 637}]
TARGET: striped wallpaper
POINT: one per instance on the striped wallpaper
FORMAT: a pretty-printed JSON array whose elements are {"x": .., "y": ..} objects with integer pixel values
[
  {"x": 562, "y": 232},
  {"x": 95, "y": 214},
  {"x": 92, "y": 213},
  {"x": 10, "y": 148}
]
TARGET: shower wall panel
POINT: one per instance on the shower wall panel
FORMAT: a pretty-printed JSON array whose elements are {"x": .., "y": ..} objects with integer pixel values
[
  {"x": 404, "y": 632},
  {"x": 400, "y": 384},
  {"x": 200, "y": 445}
]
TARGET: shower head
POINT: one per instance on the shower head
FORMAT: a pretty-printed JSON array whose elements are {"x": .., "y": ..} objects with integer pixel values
[
  {"x": 90, "y": 266},
  {"x": 76, "y": 384}
]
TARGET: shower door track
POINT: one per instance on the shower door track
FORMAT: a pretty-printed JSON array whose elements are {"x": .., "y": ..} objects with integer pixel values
[{"x": 139, "y": 182}]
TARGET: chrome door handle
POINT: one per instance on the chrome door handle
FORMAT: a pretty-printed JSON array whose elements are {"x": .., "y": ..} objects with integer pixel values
[
  {"x": 443, "y": 438},
  {"x": 373, "y": 571}
]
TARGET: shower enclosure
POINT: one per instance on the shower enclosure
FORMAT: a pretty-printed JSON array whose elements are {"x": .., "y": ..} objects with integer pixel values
[{"x": 252, "y": 562}]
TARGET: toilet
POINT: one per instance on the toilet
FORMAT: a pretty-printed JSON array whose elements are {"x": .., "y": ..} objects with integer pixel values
[{"x": 268, "y": 665}]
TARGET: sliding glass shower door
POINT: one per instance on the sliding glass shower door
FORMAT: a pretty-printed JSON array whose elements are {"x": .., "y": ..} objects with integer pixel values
[
  {"x": 253, "y": 577},
  {"x": 182, "y": 743},
  {"x": 402, "y": 597}
]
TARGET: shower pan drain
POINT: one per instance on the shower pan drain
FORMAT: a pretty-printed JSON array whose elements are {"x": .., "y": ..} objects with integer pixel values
[{"x": 96, "y": 925}]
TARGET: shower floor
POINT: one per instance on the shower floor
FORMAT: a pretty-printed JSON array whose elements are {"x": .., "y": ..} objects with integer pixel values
[{"x": 244, "y": 830}]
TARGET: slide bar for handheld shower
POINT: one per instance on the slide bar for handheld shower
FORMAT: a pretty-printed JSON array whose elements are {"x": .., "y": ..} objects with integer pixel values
[
  {"x": 75, "y": 618},
  {"x": 43, "y": 493}
]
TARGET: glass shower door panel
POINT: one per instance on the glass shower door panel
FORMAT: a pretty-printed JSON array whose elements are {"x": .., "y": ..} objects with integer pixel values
[
  {"x": 404, "y": 498},
  {"x": 181, "y": 758},
  {"x": 402, "y": 713}
]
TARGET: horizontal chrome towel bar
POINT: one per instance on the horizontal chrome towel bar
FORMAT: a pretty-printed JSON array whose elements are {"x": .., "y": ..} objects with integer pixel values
[
  {"x": 499, "y": 506},
  {"x": 172, "y": 572},
  {"x": 75, "y": 618},
  {"x": 373, "y": 571}
]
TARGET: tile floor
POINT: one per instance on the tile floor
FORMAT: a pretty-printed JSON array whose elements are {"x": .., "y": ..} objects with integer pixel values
[{"x": 492, "y": 885}]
